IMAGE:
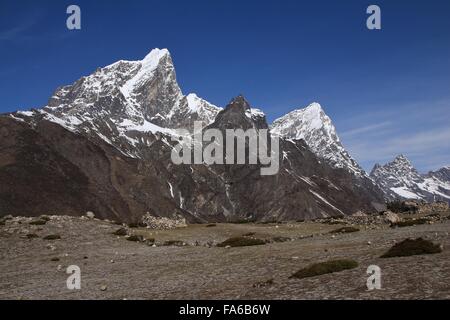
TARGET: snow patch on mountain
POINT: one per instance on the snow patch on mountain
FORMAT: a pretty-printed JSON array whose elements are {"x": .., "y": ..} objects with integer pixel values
[
  {"x": 125, "y": 98},
  {"x": 399, "y": 179},
  {"x": 316, "y": 128}
]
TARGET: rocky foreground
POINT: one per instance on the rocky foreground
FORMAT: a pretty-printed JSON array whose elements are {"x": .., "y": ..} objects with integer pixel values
[{"x": 192, "y": 262}]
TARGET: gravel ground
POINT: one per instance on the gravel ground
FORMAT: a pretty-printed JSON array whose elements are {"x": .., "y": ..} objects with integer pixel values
[{"x": 114, "y": 268}]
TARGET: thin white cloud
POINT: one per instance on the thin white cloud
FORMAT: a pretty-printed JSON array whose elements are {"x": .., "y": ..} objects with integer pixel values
[
  {"x": 365, "y": 129},
  {"x": 420, "y": 131}
]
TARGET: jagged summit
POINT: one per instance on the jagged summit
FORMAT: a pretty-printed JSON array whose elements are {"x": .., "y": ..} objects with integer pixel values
[
  {"x": 239, "y": 102},
  {"x": 104, "y": 144},
  {"x": 316, "y": 128},
  {"x": 239, "y": 114},
  {"x": 402, "y": 159},
  {"x": 126, "y": 101},
  {"x": 399, "y": 179}
]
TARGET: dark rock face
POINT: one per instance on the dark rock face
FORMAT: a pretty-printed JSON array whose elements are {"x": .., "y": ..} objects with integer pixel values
[
  {"x": 52, "y": 170},
  {"x": 104, "y": 145}
]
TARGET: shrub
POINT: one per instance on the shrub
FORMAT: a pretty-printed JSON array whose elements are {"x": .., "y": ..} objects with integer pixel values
[
  {"x": 32, "y": 236},
  {"x": 52, "y": 237},
  {"x": 120, "y": 232},
  {"x": 345, "y": 230},
  {"x": 409, "y": 223},
  {"x": 241, "y": 242},
  {"x": 411, "y": 247},
  {"x": 133, "y": 225},
  {"x": 324, "y": 268},
  {"x": 210, "y": 225},
  {"x": 135, "y": 238},
  {"x": 39, "y": 222},
  {"x": 280, "y": 239}
]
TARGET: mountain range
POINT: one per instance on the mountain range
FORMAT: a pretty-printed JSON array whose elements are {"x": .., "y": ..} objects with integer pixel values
[
  {"x": 103, "y": 144},
  {"x": 399, "y": 179}
]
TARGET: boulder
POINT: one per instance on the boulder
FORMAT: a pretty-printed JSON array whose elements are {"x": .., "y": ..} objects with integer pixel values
[
  {"x": 163, "y": 223},
  {"x": 391, "y": 217}
]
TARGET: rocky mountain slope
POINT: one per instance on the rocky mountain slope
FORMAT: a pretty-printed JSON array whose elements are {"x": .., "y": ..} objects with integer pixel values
[
  {"x": 104, "y": 144},
  {"x": 399, "y": 179},
  {"x": 122, "y": 102},
  {"x": 316, "y": 128}
]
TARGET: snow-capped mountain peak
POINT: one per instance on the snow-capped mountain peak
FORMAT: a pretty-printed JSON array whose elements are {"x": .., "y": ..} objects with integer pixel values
[
  {"x": 399, "y": 179},
  {"x": 314, "y": 126},
  {"x": 119, "y": 100}
]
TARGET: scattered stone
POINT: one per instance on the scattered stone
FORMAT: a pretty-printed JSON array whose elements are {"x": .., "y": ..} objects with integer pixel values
[
  {"x": 59, "y": 267},
  {"x": 369, "y": 243},
  {"x": 103, "y": 288},
  {"x": 391, "y": 217},
  {"x": 176, "y": 243},
  {"x": 90, "y": 215},
  {"x": 51, "y": 247},
  {"x": 163, "y": 223}
]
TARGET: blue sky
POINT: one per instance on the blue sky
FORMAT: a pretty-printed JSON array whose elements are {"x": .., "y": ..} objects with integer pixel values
[{"x": 387, "y": 91}]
